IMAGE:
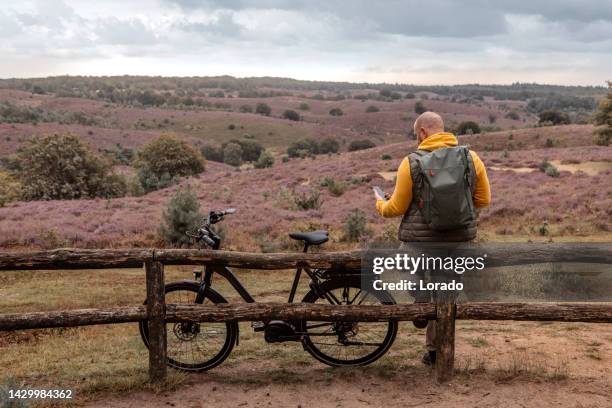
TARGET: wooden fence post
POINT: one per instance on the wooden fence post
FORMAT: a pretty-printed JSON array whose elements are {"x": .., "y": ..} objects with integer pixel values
[
  {"x": 156, "y": 315},
  {"x": 445, "y": 338}
]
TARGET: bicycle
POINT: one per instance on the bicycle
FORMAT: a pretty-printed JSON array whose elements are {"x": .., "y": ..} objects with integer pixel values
[{"x": 202, "y": 346}]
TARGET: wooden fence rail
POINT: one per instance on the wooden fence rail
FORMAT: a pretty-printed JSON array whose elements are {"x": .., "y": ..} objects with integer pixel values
[{"x": 158, "y": 313}]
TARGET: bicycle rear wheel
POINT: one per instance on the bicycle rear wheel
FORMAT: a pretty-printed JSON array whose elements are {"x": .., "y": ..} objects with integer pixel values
[
  {"x": 347, "y": 343},
  {"x": 195, "y": 346}
]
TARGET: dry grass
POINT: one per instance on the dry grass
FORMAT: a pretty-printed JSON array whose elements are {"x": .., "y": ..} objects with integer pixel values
[{"x": 99, "y": 361}]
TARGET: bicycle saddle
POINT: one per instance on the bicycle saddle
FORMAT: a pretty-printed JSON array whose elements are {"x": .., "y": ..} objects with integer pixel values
[{"x": 311, "y": 238}]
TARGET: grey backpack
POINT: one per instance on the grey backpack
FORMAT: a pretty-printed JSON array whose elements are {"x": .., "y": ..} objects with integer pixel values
[{"x": 444, "y": 187}]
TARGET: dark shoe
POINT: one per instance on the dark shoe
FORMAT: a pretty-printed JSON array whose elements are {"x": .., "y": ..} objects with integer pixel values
[{"x": 429, "y": 358}]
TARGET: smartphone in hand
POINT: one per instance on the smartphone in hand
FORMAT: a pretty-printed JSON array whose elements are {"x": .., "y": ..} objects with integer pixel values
[{"x": 380, "y": 195}]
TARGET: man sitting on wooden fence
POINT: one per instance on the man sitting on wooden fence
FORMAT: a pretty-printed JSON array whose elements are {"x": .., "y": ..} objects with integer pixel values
[{"x": 422, "y": 192}]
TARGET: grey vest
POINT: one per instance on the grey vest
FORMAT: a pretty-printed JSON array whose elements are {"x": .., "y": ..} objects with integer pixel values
[{"x": 413, "y": 227}]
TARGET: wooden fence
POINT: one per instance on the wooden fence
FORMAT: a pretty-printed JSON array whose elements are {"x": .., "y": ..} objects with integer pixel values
[{"x": 157, "y": 312}]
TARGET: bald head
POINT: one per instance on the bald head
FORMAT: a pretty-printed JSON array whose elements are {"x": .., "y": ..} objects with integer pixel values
[{"x": 428, "y": 124}]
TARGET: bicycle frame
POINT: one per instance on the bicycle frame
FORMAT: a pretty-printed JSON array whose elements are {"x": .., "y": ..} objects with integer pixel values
[{"x": 228, "y": 274}]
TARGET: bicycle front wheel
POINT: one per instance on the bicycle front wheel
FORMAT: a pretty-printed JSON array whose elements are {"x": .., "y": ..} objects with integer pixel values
[
  {"x": 195, "y": 346},
  {"x": 347, "y": 343}
]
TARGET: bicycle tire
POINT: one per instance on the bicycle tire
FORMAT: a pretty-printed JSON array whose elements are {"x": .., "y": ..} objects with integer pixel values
[{"x": 217, "y": 358}]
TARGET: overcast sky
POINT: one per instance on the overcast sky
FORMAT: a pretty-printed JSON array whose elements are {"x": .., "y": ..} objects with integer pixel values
[{"x": 410, "y": 41}]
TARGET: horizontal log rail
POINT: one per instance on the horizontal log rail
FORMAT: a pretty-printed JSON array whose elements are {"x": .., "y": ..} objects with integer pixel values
[
  {"x": 71, "y": 258},
  {"x": 157, "y": 313},
  {"x": 561, "y": 312}
]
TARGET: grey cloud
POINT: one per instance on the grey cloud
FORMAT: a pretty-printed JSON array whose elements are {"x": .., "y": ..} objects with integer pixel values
[
  {"x": 113, "y": 31},
  {"x": 223, "y": 25},
  {"x": 432, "y": 18}
]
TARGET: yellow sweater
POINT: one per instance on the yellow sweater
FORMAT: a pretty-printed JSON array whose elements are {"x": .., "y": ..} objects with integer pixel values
[{"x": 399, "y": 202}]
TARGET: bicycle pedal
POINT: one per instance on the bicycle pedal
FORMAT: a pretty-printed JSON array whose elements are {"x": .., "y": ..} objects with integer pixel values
[{"x": 258, "y": 326}]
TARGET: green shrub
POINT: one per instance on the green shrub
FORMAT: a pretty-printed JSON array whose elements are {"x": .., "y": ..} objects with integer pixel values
[
  {"x": 301, "y": 147},
  {"x": 304, "y": 106},
  {"x": 231, "y": 126},
  {"x": 360, "y": 145},
  {"x": 355, "y": 225},
  {"x": 419, "y": 108},
  {"x": 308, "y": 200},
  {"x": 554, "y": 118},
  {"x": 265, "y": 160},
  {"x": 329, "y": 145},
  {"x": 62, "y": 167},
  {"x": 212, "y": 153},
  {"x": 181, "y": 215},
  {"x": 603, "y": 118},
  {"x": 251, "y": 150},
  {"x": 603, "y": 137},
  {"x": 165, "y": 159},
  {"x": 232, "y": 154},
  {"x": 263, "y": 109},
  {"x": 550, "y": 142},
  {"x": 468, "y": 127},
  {"x": 512, "y": 115},
  {"x": 285, "y": 159},
  {"x": 372, "y": 109},
  {"x": 10, "y": 189},
  {"x": 336, "y": 112},
  {"x": 246, "y": 109},
  {"x": 336, "y": 188},
  {"x": 291, "y": 115},
  {"x": 552, "y": 171},
  {"x": 385, "y": 157},
  {"x": 548, "y": 168}
]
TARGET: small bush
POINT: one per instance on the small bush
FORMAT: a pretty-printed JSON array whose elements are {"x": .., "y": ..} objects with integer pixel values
[
  {"x": 231, "y": 127},
  {"x": 164, "y": 160},
  {"x": 308, "y": 201},
  {"x": 360, "y": 145},
  {"x": 291, "y": 115},
  {"x": 212, "y": 153},
  {"x": 552, "y": 171},
  {"x": 554, "y": 118},
  {"x": 550, "y": 142},
  {"x": 263, "y": 109},
  {"x": 265, "y": 160},
  {"x": 232, "y": 154},
  {"x": 354, "y": 226},
  {"x": 512, "y": 115},
  {"x": 468, "y": 128},
  {"x": 548, "y": 168},
  {"x": 329, "y": 145},
  {"x": 385, "y": 157},
  {"x": 603, "y": 136},
  {"x": 285, "y": 159},
  {"x": 336, "y": 112},
  {"x": 372, "y": 109},
  {"x": 246, "y": 109},
  {"x": 336, "y": 188},
  {"x": 10, "y": 189},
  {"x": 304, "y": 106},
  {"x": 251, "y": 150},
  {"x": 303, "y": 148},
  {"x": 419, "y": 108},
  {"x": 181, "y": 215}
]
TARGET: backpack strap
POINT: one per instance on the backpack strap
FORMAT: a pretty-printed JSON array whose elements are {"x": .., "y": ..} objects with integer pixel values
[
  {"x": 415, "y": 173},
  {"x": 470, "y": 170}
]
